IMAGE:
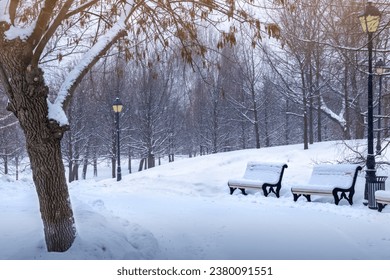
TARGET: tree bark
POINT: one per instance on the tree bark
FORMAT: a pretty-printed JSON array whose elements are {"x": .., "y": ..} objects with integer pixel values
[
  {"x": 27, "y": 93},
  {"x": 50, "y": 182},
  {"x": 44, "y": 150}
]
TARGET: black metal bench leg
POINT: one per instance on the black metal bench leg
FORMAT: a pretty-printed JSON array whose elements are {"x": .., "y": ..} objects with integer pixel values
[
  {"x": 350, "y": 198},
  {"x": 266, "y": 193},
  {"x": 272, "y": 189},
  {"x": 343, "y": 194},
  {"x": 336, "y": 198},
  {"x": 296, "y": 196},
  {"x": 381, "y": 206},
  {"x": 277, "y": 192},
  {"x": 243, "y": 191}
]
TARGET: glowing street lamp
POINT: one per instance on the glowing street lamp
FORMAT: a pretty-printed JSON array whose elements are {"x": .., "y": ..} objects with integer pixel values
[{"x": 117, "y": 106}]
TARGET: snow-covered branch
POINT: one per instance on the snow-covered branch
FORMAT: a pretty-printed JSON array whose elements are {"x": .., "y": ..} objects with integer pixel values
[
  {"x": 5, "y": 117},
  {"x": 339, "y": 118},
  {"x": 118, "y": 30},
  {"x": 9, "y": 125}
]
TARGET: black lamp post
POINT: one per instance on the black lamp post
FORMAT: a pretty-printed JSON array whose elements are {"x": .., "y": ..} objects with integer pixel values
[
  {"x": 117, "y": 106},
  {"x": 379, "y": 69},
  {"x": 370, "y": 22}
]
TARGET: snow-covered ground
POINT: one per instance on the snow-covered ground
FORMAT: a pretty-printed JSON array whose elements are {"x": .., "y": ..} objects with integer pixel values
[{"x": 183, "y": 210}]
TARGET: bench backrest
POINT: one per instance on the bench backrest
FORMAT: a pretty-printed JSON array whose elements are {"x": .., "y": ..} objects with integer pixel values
[
  {"x": 264, "y": 171},
  {"x": 337, "y": 175}
]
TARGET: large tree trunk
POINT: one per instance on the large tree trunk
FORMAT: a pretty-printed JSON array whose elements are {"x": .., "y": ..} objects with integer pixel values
[
  {"x": 27, "y": 94},
  {"x": 49, "y": 178},
  {"x": 44, "y": 150}
]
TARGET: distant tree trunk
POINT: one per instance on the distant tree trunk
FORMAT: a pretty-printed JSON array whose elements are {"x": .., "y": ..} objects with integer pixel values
[
  {"x": 85, "y": 162},
  {"x": 6, "y": 164},
  {"x": 76, "y": 166},
  {"x": 5, "y": 157},
  {"x": 17, "y": 167},
  {"x": 256, "y": 124},
  {"x": 287, "y": 124},
  {"x": 129, "y": 162},
  {"x": 214, "y": 132},
  {"x": 266, "y": 122},
  {"x": 311, "y": 106},
  {"x": 95, "y": 171},
  {"x": 27, "y": 93},
  {"x": 346, "y": 128},
  {"x": 243, "y": 135},
  {"x": 305, "y": 128},
  {"x": 85, "y": 168},
  {"x": 141, "y": 164},
  {"x": 357, "y": 115},
  {"x": 76, "y": 170},
  {"x": 305, "y": 118},
  {"x": 318, "y": 95},
  {"x": 70, "y": 170},
  {"x": 151, "y": 161}
]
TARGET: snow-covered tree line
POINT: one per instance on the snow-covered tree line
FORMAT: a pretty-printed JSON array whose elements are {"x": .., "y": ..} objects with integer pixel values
[
  {"x": 211, "y": 108},
  {"x": 225, "y": 102},
  {"x": 323, "y": 66}
]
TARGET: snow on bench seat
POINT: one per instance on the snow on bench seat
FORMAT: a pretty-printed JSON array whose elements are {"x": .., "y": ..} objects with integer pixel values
[
  {"x": 260, "y": 175},
  {"x": 382, "y": 198},
  {"x": 330, "y": 179}
]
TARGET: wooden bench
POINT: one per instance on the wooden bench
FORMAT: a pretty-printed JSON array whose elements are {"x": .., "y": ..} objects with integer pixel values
[
  {"x": 260, "y": 175},
  {"x": 382, "y": 198},
  {"x": 330, "y": 179}
]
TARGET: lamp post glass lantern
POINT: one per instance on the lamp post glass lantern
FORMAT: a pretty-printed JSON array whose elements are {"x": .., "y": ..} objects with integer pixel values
[
  {"x": 117, "y": 106},
  {"x": 370, "y": 19},
  {"x": 370, "y": 22},
  {"x": 380, "y": 67}
]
